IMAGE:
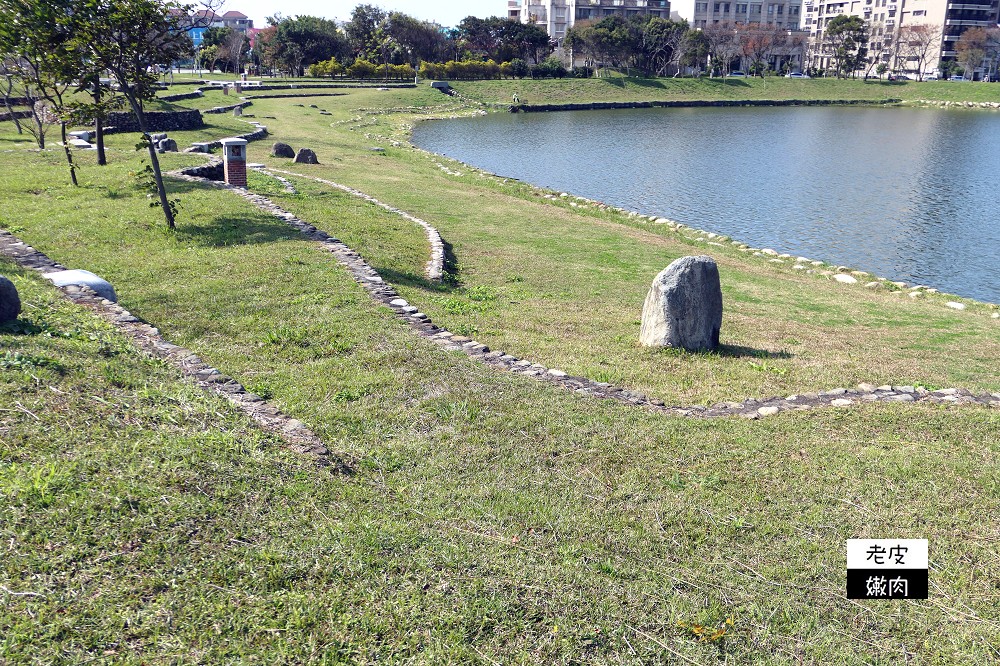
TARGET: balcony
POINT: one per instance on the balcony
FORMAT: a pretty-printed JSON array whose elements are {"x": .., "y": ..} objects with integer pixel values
[{"x": 982, "y": 24}]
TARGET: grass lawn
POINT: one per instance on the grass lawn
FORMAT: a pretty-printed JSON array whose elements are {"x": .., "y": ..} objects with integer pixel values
[
  {"x": 490, "y": 518},
  {"x": 622, "y": 89}
]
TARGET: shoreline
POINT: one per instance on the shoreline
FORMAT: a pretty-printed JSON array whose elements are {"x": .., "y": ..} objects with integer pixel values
[
  {"x": 604, "y": 106},
  {"x": 710, "y": 238}
]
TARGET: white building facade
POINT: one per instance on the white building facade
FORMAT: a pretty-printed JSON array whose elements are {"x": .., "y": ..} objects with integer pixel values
[
  {"x": 886, "y": 18},
  {"x": 558, "y": 16}
]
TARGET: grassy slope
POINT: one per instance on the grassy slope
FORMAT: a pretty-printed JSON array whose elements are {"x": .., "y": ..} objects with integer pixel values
[
  {"x": 621, "y": 89},
  {"x": 523, "y": 283},
  {"x": 491, "y": 518}
]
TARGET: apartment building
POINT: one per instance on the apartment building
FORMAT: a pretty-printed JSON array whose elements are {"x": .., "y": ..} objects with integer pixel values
[
  {"x": 205, "y": 19},
  {"x": 558, "y": 16},
  {"x": 887, "y": 17},
  {"x": 780, "y": 13}
]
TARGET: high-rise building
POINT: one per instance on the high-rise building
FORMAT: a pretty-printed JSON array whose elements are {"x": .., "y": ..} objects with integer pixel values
[
  {"x": 780, "y": 13},
  {"x": 558, "y": 16},
  {"x": 887, "y": 22}
]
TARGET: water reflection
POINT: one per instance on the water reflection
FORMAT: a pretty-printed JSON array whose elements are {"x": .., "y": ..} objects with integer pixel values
[{"x": 905, "y": 193}]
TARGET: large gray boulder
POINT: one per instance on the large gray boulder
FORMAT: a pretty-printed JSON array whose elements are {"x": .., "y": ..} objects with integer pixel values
[
  {"x": 306, "y": 156},
  {"x": 282, "y": 150},
  {"x": 168, "y": 145},
  {"x": 84, "y": 279},
  {"x": 10, "y": 303},
  {"x": 683, "y": 308}
]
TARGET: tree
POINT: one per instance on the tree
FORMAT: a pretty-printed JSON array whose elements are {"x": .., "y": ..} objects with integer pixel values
[
  {"x": 758, "y": 44},
  {"x": 419, "y": 40},
  {"x": 971, "y": 50},
  {"x": 40, "y": 38},
  {"x": 8, "y": 84},
  {"x": 661, "y": 39},
  {"x": 917, "y": 44},
  {"x": 723, "y": 45},
  {"x": 306, "y": 40},
  {"x": 234, "y": 47},
  {"x": 131, "y": 39},
  {"x": 364, "y": 30},
  {"x": 847, "y": 38}
]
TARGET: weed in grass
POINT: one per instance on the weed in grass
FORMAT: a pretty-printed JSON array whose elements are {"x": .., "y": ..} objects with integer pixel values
[{"x": 13, "y": 360}]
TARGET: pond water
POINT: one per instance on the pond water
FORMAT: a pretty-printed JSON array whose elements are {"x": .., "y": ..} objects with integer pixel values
[{"x": 909, "y": 194}]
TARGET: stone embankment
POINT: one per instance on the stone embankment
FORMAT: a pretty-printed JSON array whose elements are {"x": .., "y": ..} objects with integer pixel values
[
  {"x": 957, "y": 105},
  {"x": 156, "y": 121},
  {"x": 385, "y": 294},
  {"x": 597, "y": 106},
  {"x": 299, "y": 438}
]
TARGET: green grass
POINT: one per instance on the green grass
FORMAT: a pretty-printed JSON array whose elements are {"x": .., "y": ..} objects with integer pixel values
[
  {"x": 490, "y": 518},
  {"x": 622, "y": 89}
]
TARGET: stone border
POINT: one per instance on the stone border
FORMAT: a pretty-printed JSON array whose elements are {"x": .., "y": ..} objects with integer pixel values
[
  {"x": 669, "y": 104},
  {"x": 994, "y": 106},
  {"x": 299, "y": 438},
  {"x": 225, "y": 109},
  {"x": 435, "y": 266},
  {"x": 383, "y": 293}
]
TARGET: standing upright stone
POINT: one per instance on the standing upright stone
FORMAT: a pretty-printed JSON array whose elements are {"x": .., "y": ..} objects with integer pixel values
[
  {"x": 683, "y": 308},
  {"x": 306, "y": 156},
  {"x": 282, "y": 150},
  {"x": 10, "y": 303}
]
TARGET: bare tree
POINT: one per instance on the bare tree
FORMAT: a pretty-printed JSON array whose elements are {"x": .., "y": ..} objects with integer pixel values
[
  {"x": 917, "y": 44},
  {"x": 233, "y": 48},
  {"x": 8, "y": 85},
  {"x": 758, "y": 43},
  {"x": 723, "y": 45}
]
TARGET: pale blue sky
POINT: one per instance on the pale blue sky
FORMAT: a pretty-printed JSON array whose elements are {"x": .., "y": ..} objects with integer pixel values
[{"x": 445, "y": 13}]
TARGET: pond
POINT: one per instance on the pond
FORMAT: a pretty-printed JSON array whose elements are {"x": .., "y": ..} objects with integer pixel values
[{"x": 909, "y": 194}]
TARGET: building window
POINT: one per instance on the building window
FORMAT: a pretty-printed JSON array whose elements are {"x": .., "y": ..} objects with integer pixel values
[
  {"x": 741, "y": 9},
  {"x": 770, "y": 10},
  {"x": 781, "y": 10},
  {"x": 718, "y": 7},
  {"x": 919, "y": 12},
  {"x": 701, "y": 7}
]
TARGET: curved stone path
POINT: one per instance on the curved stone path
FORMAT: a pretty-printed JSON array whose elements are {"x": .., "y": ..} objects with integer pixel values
[
  {"x": 435, "y": 266},
  {"x": 751, "y": 408},
  {"x": 299, "y": 438}
]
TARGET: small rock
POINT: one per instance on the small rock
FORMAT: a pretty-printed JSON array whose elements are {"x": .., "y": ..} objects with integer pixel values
[
  {"x": 101, "y": 286},
  {"x": 955, "y": 306},
  {"x": 768, "y": 411},
  {"x": 845, "y": 278},
  {"x": 10, "y": 302},
  {"x": 282, "y": 150},
  {"x": 306, "y": 156},
  {"x": 842, "y": 402},
  {"x": 866, "y": 388}
]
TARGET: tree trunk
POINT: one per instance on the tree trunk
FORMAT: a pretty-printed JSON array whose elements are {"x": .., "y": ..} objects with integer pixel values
[
  {"x": 13, "y": 116},
  {"x": 102, "y": 158},
  {"x": 153, "y": 159},
  {"x": 69, "y": 153}
]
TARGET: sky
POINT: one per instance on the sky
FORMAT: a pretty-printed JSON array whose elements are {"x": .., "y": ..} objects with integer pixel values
[{"x": 448, "y": 13}]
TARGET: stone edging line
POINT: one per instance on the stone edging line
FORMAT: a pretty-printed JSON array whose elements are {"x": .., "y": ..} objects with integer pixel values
[
  {"x": 299, "y": 438},
  {"x": 435, "y": 266},
  {"x": 383, "y": 293}
]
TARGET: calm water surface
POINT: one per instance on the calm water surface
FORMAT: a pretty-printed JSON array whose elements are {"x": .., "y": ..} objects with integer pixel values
[{"x": 910, "y": 194}]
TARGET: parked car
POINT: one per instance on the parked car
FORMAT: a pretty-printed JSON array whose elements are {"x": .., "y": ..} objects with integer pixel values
[
  {"x": 958, "y": 77},
  {"x": 738, "y": 74},
  {"x": 931, "y": 77},
  {"x": 797, "y": 75},
  {"x": 900, "y": 77}
]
